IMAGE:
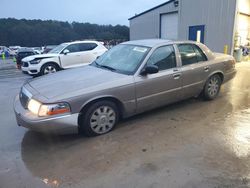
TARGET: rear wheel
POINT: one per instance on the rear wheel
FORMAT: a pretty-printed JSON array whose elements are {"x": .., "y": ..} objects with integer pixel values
[
  {"x": 212, "y": 87},
  {"x": 49, "y": 68},
  {"x": 100, "y": 118}
]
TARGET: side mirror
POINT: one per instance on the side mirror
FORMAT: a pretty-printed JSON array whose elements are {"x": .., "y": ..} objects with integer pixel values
[
  {"x": 65, "y": 52},
  {"x": 150, "y": 69}
]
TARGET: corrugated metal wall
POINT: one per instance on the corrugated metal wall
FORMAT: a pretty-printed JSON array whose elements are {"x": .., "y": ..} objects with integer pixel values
[
  {"x": 218, "y": 16},
  {"x": 148, "y": 24}
]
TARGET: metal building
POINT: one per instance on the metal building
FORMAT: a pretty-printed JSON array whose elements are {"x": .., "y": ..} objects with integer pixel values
[{"x": 220, "y": 24}]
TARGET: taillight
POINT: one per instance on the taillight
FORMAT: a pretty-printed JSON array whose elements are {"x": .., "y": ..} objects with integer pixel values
[{"x": 233, "y": 62}]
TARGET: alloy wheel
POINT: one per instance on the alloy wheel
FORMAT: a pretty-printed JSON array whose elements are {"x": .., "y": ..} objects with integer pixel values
[
  {"x": 213, "y": 86},
  {"x": 49, "y": 69}
]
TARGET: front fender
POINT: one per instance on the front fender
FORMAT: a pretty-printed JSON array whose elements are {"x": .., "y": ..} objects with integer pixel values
[{"x": 49, "y": 60}]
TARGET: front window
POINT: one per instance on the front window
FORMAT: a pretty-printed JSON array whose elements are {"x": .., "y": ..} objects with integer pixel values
[
  {"x": 123, "y": 58},
  {"x": 73, "y": 48},
  {"x": 58, "y": 49}
]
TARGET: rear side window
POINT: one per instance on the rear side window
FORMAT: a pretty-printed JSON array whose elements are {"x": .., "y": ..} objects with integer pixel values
[
  {"x": 199, "y": 53},
  {"x": 163, "y": 57},
  {"x": 191, "y": 54},
  {"x": 87, "y": 46}
]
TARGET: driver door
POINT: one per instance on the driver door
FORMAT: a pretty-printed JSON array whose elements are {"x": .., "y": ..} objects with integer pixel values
[
  {"x": 154, "y": 90},
  {"x": 72, "y": 58}
]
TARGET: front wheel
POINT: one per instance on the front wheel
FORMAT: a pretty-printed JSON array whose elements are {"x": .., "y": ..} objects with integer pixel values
[
  {"x": 49, "y": 68},
  {"x": 212, "y": 87},
  {"x": 100, "y": 118}
]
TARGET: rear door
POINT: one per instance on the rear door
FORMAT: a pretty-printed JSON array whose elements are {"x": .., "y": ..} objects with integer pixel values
[
  {"x": 88, "y": 53},
  {"x": 154, "y": 90},
  {"x": 195, "y": 69}
]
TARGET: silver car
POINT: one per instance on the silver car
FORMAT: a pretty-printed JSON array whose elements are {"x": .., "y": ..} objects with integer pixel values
[{"x": 131, "y": 78}]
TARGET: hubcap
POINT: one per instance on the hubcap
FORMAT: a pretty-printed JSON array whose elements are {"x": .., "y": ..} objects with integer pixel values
[
  {"x": 49, "y": 69},
  {"x": 213, "y": 87},
  {"x": 103, "y": 119}
]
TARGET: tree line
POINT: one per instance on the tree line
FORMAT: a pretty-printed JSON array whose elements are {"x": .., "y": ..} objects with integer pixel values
[{"x": 39, "y": 33}]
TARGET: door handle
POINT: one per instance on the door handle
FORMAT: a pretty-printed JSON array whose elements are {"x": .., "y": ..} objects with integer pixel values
[
  {"x": 177, "y": 76},
  {"x": 206, "y": 69}
]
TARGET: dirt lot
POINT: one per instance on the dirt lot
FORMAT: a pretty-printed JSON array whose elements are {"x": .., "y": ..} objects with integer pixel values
[{"x": 191, "y": 144}]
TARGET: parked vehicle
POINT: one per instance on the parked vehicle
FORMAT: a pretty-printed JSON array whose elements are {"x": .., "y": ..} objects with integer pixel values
[
  {"x": 22, "y": 53},
  {"x": 38, "y": 50},
  {"x": 48, "y": 48},
  {"x": 2, "y": 49},
  {"x": 131, "y": 78},
  {"x": 6, "y": 51},
  {"x": 14, "y": 49},
  {"x": 64, "y": 56}
]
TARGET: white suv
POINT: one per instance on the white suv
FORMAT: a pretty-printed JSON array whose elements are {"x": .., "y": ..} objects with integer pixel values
[{"x": 64, "y": 56}]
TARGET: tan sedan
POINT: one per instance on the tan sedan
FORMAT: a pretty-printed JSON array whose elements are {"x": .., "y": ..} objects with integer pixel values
[{"x": 131, "y": 78}]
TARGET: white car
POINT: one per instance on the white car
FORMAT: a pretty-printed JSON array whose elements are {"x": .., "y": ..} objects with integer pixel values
[{"x": 64, "y": 56}]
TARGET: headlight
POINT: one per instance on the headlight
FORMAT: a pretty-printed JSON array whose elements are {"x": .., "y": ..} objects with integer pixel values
[
  {"x": 54, "y": 109},
  {"x": 35, "y": 61},
  {"x": 43, "y": 110},
  {"x": 34, "y": 106}
]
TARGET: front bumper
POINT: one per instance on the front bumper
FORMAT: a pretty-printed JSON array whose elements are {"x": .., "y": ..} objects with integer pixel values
[
  {"x": 67, "y": 124},
  {"x": 31, "y": 69}
]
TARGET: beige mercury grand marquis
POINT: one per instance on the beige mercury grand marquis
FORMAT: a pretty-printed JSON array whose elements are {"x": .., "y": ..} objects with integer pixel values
[{"x": 131, "y": 78}]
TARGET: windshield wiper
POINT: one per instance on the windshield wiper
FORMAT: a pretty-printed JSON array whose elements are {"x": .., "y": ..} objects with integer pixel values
[{"x": 105, "y": 66}]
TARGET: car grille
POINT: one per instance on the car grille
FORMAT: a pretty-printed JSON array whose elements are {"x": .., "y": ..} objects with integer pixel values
[
  {"x": 24, "y": 98},
  {"x": 25, "y": 64}
]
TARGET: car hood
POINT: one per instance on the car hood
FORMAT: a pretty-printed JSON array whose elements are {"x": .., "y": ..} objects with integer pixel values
[
  {"x": 79, "y": 81},
  {"x": 39, "y": 56}
]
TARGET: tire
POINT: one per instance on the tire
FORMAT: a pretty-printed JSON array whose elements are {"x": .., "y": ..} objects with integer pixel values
[
  {"x": 100, "y": 118},
  {"x": 49, "y": 68},
  {"x": 212, "y": 87}
]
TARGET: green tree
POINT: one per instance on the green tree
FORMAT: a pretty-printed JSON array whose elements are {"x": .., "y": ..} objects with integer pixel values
[{"x": 38, "y": 33}]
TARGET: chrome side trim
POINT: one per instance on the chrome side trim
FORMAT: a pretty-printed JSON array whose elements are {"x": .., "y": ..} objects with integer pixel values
[{"x": 157, "y": 94}]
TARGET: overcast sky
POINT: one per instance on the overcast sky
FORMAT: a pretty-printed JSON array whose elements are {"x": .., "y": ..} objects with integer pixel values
[{"x": 93, "y": 11}]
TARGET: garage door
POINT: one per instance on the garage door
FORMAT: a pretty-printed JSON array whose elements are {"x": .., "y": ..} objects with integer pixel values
[{"x": 169, "y": 26}]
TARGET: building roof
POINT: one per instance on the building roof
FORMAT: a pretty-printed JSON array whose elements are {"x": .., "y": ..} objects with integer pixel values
[{"x": 151, "y": 9}]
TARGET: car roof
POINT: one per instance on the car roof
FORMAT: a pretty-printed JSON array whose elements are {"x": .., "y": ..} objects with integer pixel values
[
  {"x": 156, "y": 42},
  {"x": 148, "y": 42},
  {"x": 25, "y": 50},
  {"x": 151, "y": 43},
  {"x": 84, "y": 41}
]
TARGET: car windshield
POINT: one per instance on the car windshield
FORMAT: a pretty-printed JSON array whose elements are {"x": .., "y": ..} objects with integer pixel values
[
  {"x": 58, "y": 49},
  {"x": 123, "y": 58}
]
